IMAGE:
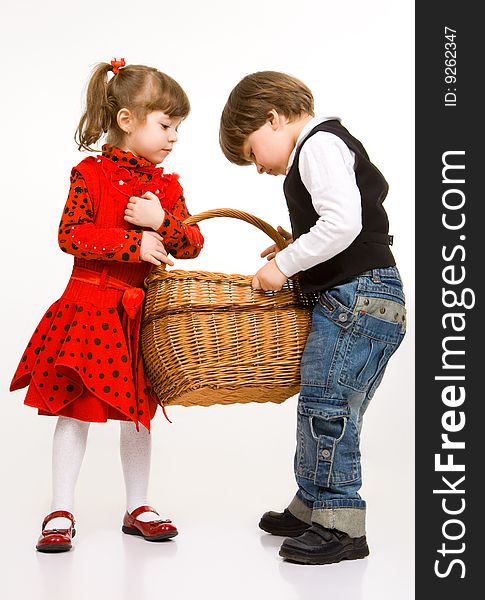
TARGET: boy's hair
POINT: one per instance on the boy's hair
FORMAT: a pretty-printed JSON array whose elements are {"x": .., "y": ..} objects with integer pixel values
[
  {"x": 138, "y": 88},
  {"x": 250, "y": 102}
]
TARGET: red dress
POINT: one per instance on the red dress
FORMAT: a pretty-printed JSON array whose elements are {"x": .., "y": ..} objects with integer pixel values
[{"x": 83, "y": 360}]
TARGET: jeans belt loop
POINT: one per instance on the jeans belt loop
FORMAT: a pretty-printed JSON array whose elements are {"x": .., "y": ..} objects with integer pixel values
[{"x": 376, "y": 277}]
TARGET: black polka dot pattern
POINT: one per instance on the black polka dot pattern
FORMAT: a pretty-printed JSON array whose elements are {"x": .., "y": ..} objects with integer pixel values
[
  {"x": 131, "y": 176},
  {"x": 79, "y": 361},
  {"x": 63, "y": 366}
]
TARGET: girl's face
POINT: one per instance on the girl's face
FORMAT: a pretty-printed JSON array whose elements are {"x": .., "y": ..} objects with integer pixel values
[{"x": 153, "y": 139}]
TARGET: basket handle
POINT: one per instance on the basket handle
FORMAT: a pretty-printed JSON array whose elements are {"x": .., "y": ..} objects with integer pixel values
[{"x": 243, "y": 216}]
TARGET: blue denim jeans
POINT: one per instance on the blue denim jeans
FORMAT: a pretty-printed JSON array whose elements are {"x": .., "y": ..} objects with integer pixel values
[{"x": 356, "y": 328}]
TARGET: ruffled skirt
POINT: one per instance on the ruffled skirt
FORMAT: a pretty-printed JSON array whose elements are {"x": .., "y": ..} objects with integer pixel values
[{"x": 82, "y": 360}]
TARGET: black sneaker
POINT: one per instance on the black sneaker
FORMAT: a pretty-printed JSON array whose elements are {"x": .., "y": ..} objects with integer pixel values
[
  {"x": 283, "y": 523},
  {"x": 322, "y": 546}
]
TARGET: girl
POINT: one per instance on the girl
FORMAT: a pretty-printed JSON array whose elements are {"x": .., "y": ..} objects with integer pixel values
[{"x": 122, "y": 216}]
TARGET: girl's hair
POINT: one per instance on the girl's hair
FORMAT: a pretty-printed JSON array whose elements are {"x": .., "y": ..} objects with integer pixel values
[
  {"x": 250, "y": 102},
  {"x": 138, "y": 88}
]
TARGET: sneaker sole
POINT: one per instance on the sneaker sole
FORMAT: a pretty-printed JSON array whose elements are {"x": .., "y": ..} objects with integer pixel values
[{"x": 347, "y": 554}]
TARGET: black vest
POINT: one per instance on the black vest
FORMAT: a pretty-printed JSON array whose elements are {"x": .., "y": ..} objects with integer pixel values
[{"x": 370, "y": 250}]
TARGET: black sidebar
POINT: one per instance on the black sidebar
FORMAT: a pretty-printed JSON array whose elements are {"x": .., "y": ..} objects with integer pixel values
[{"x": 450, "y": 268}]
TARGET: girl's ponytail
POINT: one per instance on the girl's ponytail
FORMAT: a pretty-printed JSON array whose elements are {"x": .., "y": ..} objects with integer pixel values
[{"x": 100, "y": 109}]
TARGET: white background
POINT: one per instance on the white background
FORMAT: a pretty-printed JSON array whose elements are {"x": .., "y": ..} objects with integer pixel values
[{"x": 215, "y": 471}]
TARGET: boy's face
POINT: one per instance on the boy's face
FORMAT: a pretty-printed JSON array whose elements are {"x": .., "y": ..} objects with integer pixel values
[{"x": 270, "y": 146}]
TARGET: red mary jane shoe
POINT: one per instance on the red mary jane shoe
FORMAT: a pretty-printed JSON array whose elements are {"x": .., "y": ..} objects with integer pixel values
[
  {"x": 56, "y": 540},
  {"x": 153, "y": 531}
]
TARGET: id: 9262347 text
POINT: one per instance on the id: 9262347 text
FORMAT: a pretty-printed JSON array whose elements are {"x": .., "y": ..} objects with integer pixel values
[{"x": 450, "y": 67}]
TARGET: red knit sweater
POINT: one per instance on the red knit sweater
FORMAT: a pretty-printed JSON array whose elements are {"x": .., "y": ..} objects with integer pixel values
[{"x": 88, "y": 234}]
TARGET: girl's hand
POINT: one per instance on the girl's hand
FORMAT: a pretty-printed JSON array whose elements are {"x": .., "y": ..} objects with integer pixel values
[
  {"x": 272, "y": 251},
  {"x": 145, "y": 211},
  {"x": 269, "y": 277},
  {"x": 152, "y": 249}
]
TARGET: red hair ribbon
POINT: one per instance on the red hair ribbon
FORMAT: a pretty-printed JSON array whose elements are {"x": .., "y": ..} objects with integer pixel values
[{"x": 117, "y": 64}]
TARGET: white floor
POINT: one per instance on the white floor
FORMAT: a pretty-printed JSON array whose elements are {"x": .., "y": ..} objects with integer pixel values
[
  {"x": 214, "y": 472},
  {"x": 211, "y": 558}
]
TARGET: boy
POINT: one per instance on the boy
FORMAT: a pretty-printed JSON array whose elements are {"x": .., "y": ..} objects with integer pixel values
[{"x": 340, "y": 248}]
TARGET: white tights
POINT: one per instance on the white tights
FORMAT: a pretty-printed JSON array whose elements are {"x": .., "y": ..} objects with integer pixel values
[{"x": 68, "y": 450}]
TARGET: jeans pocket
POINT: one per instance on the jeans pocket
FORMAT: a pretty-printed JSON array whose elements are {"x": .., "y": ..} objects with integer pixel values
[
  {"x": 328, "y": 444},
  {"x": 375, "y": 336},
  {"x": 340, "y": 298}
]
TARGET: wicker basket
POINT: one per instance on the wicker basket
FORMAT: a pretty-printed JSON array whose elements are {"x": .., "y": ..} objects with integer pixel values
[{"x": 209, "y": 338}]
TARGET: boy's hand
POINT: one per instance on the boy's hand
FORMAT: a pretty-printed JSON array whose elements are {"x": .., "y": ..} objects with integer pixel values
[
  {"x": 152, "y": 249},
  {"x": 145, "y": 211},
  {"x": 272, "y": 251},
  {"x": 269, "y": 277}
]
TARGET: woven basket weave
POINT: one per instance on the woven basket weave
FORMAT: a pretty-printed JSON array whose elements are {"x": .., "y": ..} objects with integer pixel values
[{"x": 209, "y": 338}]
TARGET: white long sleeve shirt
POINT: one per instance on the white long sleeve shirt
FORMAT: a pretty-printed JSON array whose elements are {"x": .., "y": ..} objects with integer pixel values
[{"x": 326, "y": 166}]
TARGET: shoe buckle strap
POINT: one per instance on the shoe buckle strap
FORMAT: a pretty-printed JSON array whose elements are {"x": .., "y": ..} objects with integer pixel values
[
  {"x": 142, "y": 509},
  {"x": 58, "y": 513}
]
